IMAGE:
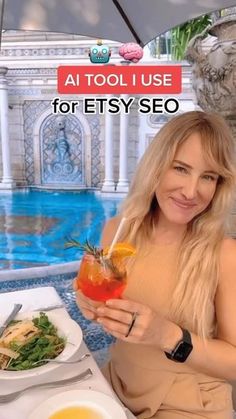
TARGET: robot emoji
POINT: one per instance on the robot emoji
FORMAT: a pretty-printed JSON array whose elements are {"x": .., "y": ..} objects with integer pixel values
[{"x": 100, "y": 53}]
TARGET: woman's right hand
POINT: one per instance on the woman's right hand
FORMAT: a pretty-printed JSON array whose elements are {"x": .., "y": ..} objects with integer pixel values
[{"x": 87, "y": 306}]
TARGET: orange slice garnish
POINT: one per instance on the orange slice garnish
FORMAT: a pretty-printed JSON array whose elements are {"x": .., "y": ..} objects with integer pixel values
[{"x": 120, "y": 250}]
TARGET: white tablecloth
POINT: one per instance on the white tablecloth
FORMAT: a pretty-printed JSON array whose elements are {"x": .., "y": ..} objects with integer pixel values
[{"x": 21, "y": 408}]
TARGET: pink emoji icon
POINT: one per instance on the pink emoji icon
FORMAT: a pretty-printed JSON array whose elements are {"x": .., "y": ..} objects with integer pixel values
[{"x": 131, "y": 51}]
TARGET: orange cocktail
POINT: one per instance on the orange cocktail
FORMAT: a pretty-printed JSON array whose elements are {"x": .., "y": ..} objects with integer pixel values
[
  {"x": 99, "y": 279},
  {"x": 102, "y": 273}
]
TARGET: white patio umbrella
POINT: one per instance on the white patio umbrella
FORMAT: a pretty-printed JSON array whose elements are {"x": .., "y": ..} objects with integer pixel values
[{"x": 120, "y": 20}]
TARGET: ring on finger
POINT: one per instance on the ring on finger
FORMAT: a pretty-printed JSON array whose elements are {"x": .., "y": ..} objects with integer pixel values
[{"x": 134, "y": 317}]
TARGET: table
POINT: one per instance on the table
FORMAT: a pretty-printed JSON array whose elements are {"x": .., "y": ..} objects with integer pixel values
[{"x": 33, "y": 299}]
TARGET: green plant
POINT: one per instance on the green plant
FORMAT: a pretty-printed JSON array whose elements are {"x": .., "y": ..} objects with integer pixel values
[
  {"x": 98, "y": 254},
  {"x": 87, "y": 247},
  {"x": 182, "y": 34}
]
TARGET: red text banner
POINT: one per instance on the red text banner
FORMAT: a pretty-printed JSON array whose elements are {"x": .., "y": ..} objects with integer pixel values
[{"x": 148, "y": 80}]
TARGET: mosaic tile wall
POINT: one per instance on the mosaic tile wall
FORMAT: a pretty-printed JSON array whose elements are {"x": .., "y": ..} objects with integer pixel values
[
  {"x": 62, "y": 150},
  {"x": 55, "y": 168}
]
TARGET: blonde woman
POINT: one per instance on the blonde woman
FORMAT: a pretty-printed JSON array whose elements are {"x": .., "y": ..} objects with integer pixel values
[{"x": 175, "y": 324}]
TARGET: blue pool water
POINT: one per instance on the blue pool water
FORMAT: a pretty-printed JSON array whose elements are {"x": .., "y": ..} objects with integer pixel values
[{"x": 34, "y": 225}]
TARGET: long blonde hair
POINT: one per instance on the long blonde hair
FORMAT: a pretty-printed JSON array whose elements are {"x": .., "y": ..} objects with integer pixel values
[{"x": 198, "y": 261}]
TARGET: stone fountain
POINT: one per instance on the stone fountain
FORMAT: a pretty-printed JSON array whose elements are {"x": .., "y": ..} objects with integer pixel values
[{"x": 214, "y": 73}]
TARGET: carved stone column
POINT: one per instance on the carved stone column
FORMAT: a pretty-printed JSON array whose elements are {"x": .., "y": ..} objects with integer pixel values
[
  {"x": 214, "y": 73},
  {"x": 123, "y": 183},
  {"x": 109, "y": 184},
  {"x": 7, "y": 182}
]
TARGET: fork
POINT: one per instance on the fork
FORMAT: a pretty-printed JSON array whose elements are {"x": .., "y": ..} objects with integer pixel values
[
  {"x": 49, "y": 308},
  {"x": 11, "y": 316},
  {"x": 7, "y": 398},
  {"x": 57, "y": 361}
]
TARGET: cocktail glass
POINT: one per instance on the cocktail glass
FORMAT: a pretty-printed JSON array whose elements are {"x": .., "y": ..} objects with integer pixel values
[{"x": 101, "y": 279}]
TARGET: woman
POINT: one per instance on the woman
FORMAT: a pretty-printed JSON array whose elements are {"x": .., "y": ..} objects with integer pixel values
[{"x": 175, "y": 324}]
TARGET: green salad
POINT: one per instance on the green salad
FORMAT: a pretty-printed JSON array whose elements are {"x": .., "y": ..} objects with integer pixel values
[{"x": 28, "y": 341}]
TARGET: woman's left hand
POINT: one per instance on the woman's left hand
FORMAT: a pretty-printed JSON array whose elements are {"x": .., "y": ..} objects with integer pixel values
[{"x": 118, "y": 315}]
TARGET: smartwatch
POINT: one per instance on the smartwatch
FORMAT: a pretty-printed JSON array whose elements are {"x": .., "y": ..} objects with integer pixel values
[{"x": 183, "y": 348}]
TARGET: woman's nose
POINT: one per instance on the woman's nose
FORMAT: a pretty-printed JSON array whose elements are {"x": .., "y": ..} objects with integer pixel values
[{"x": 190, "y": 188}]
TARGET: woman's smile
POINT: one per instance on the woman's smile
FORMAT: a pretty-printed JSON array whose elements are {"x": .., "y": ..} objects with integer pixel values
[{"x": 183, "y": 204}]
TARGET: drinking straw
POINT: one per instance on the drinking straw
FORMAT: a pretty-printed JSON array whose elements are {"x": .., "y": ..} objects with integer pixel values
[{"x": 114, "y": 241}]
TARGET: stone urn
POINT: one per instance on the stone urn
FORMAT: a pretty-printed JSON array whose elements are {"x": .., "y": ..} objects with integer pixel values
[
  {"x": 214, "y": 74},
  {"x": 214, "y": 71}
]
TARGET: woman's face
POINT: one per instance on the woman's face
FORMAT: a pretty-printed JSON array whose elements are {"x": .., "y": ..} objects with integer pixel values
[{"x": 188, "y": 186}]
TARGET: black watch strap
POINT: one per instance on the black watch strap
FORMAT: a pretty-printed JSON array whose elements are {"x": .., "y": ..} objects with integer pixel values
[
  {"x": 186, "y": 336},
  {"x": 183, "y": 348}
]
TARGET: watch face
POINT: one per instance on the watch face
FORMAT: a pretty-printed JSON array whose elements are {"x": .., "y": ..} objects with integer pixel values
[{"x": 182, "y": 351}]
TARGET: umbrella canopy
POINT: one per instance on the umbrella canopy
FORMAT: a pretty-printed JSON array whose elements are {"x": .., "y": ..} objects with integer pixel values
[{"x": 120, "y": 20}]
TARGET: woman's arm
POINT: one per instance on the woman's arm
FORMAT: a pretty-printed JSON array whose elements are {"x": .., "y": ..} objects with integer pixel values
[
  {"x": 215, "y": 357},
  {"x": 109, "y": 231},
  {"x": 218, "y": 358}
]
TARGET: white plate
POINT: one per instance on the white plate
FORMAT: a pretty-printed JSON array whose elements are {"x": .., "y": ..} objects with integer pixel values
[
  {"x": 108, "y": 407},
  {"x": 67, "y": 328}
]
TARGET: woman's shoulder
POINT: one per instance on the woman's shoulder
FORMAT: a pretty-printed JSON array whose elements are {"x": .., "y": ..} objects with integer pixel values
[
  {"x": 109, "y": 230},
  {"x": 228, "y": 247},
  {"x": 228, "y": 257}
]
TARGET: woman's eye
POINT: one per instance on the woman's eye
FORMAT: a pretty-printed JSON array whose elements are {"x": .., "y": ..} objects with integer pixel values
[
  {"x": 180, "y": 169},
  {"x": 210, "y": 178}
]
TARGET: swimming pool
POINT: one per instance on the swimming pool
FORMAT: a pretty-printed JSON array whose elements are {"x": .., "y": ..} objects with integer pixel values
[{"x": 34, "y": 225}]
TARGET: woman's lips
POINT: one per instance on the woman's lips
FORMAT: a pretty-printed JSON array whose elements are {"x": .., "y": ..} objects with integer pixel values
[{"x": 182, "y": 204}]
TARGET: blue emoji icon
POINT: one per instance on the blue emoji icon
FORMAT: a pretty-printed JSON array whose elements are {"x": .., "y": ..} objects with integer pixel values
[{"x": 100, "y": 53}]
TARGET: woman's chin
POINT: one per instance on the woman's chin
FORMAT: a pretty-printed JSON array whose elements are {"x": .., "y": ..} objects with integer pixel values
[
  {"x": 180, "y": 216},
  {"x": 179, "y": 220}
]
